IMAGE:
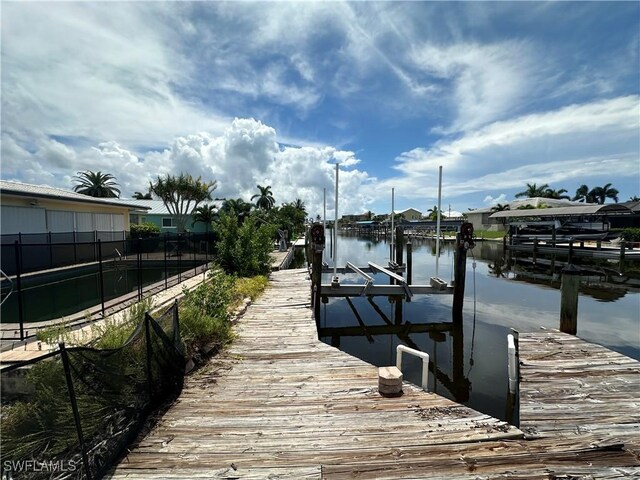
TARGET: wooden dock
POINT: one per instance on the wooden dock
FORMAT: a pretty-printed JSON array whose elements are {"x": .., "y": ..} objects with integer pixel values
[
  {"x": 579, "y": 392},
  {"x": 281, "y": 404}
]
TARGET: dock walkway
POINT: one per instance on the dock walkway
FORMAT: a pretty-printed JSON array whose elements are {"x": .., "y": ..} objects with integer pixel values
[
  {"x": 580, "y": 392},
  {"x": 281, "y": 404}
]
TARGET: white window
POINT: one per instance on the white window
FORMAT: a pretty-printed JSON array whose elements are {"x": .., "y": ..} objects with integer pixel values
[{"x": 167, "y": 222}]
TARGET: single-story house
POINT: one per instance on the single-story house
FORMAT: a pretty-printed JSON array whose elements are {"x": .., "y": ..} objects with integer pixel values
[
  {"x": 38, "y": 209},
  {"x": 409, "y": 214},
  {"x": 155, "y": 211}
]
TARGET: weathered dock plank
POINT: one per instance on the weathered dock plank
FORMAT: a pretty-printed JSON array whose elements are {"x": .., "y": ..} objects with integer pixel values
[
  {"x": 577, "y": 390},
  {"x": 281, "y": 404}
]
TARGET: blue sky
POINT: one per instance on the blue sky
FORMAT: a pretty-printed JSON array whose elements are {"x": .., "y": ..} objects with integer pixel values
[{"x": 499, "y": 94}]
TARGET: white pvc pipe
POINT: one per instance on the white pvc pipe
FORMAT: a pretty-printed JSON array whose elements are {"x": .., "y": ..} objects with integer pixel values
[
  {"x": 425, "y": 362},
  {"x": 513, "y": 364},
  {"x": 438, "y": 221},
  {"x": 335, "y": 229},
  {"x": 392, "y": 252}
]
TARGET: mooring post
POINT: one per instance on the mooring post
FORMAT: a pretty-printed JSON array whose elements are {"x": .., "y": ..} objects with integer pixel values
[
  {"x": 570, "y": 251},
  {"x": 464, "y": 241},
  {"x": 317, "y": 241},
  {"x": 569, "y": 299},
  {"x": 622, "y": 248},
  {"x": 535, "y": 249},
  {"x": 409, "y": 262},
  {"x": 459, "y": 276},
  {"x": 399, "y": 244}
]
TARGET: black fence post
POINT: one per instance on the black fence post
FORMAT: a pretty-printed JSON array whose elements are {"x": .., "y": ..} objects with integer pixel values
[
  {"x": 193, "y": 243},
  {"x": 166, "y": 276},
  {"x": 75, "y": 248},
  {"x": 179, "y": 254},
  {"x": 147, "y": 336},
  {"x": 101, "y": 275},
  {"x": 74, "y": 408},
  {"x": 18, "y": 254},
  {"x": 50, "y": 250},
  {"x": 139, "y": 268}
]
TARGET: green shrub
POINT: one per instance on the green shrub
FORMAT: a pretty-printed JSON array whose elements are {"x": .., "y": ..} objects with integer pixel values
[
  {"x": 244, "y": 249},
  {"x": 250, "y": 287},
  {"x": 631, "y": 234},
  {"x": 204, "y": 312},
  {"x": 144, "y": 230}
]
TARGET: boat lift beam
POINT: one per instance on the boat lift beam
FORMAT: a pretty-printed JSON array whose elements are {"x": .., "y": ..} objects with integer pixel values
[
  {"x": 368, "y": 278},
  {"x": 398, "y": 278}
]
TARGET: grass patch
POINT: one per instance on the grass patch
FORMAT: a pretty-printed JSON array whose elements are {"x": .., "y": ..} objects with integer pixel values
[
  {"x": 491, "y": 234},
  {"x": 251, "y": 287}
]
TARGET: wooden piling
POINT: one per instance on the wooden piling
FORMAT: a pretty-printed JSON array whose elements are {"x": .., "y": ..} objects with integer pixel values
[
  {"x": 622, "y": 249},
  {"x": 569, "y": 299},
  {"x": 459, "y": 276},
  {"x": 409, "y": 263},
  {"x": 535, "y": 249},
  {"x": 399, "y": 245},
  {"x": 316, "y": 282},
  {"x": 570, "y": 251}
]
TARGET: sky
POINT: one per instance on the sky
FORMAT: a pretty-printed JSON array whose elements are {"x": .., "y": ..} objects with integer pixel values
[{"x": 499, "y": 94}]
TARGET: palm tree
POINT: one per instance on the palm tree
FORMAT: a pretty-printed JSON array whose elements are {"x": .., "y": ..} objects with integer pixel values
[
  {"x": 205, "y": 214},
  {"x": 533, "y": 191},
  {"x": 556, "y": 194},
  {"x": 96, "y": 184},
  {"x": 602, "y": 193},
  {"x": 265, "y": 198},
  {"x": 142, "y": 196},
  {"x": 181, "y": 195},
  {"x": 239, "y": 207},
  {"x": 499, "y": 207},
  {"x": 433, "y": 213},
  {"x": 635, "y": 198},
  {"x": 583, "y": 194},
  {"x": 299, "y": 204}
]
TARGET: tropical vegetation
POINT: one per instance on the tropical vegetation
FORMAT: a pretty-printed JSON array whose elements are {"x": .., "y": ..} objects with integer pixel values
[
  {"x": 265, "y": 198},
  {"x": 96, "y": 184},
  {"x": 181, "y": 195},
  {"x": 584, "y": 194}
]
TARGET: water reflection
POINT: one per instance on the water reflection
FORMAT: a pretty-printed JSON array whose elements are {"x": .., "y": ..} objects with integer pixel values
[{"x": 469, "y": 358}]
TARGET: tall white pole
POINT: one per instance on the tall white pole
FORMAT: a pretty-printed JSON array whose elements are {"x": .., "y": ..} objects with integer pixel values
[
  {"x": 324, "y": 210},
  {"x": 391, "y": 253},
  {"x": 335, "y": 229},
  {"x": 438, "y": 221}
]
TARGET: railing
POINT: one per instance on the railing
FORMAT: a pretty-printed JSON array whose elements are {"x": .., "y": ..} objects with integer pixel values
[
  {"x": 78, "y": 408},
  {"x": 170, "y": 254}
]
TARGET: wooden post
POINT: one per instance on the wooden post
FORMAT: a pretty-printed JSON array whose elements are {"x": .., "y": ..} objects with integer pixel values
[
  {"x": 553, "y": 236},
  {"x": 399, "y": 244},
  {"x": 622, "y": 249},
  {"x": 535, "y": 249},
  {"x": 409, "y": 262},
  {"x": 316, "y": 282},
  {"x": 569, "y": 299},
  {"x": 570, "y": 251},
  {"x": 459, "y": 276}
]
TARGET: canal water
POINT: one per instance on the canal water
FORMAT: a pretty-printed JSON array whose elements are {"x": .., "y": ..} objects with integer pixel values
[{"x": 469, "y": 364}]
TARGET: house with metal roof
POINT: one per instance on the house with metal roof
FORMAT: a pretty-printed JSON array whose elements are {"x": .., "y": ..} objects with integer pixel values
[
  {"x": 39, "y": 209},
  {"x": 155, "y": 211}
]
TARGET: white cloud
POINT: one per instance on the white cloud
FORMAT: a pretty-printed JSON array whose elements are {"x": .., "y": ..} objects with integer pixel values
[
  {"x": 575, "y": 142},
  {"x": 489, "y": 200}
]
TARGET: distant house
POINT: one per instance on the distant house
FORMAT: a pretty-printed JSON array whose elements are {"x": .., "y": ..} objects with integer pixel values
[
  {"x": 155, "y": 211},
  {"x": 481, "y": 217},
  {"x": 37, "y": 209},
  {"x": 409, "y": 214},
  {"x": 350, "y": 219}
]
